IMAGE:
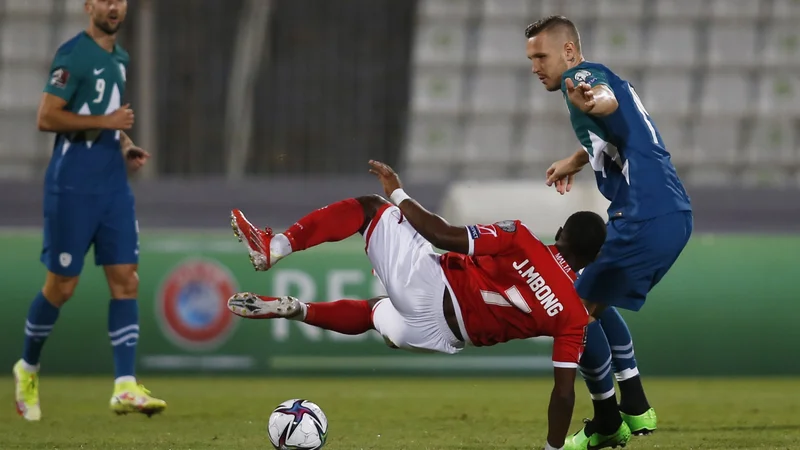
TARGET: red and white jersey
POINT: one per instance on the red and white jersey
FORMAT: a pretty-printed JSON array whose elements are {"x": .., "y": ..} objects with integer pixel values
[{"x": 513, "y": 286}]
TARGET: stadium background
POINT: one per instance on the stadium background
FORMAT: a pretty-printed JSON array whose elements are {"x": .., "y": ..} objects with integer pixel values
[{"x": 275, "y": 107}]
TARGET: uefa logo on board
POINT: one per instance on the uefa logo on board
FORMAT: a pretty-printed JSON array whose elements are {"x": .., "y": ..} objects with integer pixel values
[{"x": 191, "y": 304}]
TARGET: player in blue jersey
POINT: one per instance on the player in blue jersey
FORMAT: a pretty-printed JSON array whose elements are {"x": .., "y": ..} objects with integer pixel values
[
  {"x": 87, "y": 201},
  {"x": 650, "y": 220}
]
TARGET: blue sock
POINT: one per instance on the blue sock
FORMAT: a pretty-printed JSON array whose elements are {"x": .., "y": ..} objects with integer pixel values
[
  {"x": 632, "y": 397},
  {"x": 42, "y": 317},
  {"x": 595, "y": 367},
  {"x": 123, "y": 330},
  {"x": 619, "y": 338}
]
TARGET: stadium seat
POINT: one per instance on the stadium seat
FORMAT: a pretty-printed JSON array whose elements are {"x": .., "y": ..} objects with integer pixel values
[
  {"x": 26, "y": 40},
  {"x": 69, "y": 28},
  {"x": 779, "y": 94},
  {"x": 28, "y": 7},
  {"x": 514, "y": 9},
  {"x": 736, "y": 8},
  {"x": 673, "y": 133},
  {"x": 440, "y": 42},
  {"x": 617, "y": 42},
  {"x": 547, "y": 139},
  {"x": 732, "y": 44},
  {"x": 773, "y": 141},
  {"x": 502, "y": 44},
  {"x": 666, "y": 92},
  {"x": 544, "y": 101},
  {"x": 673, "y": 44},
  {"x": 686, "y": 9},
  {"x": 487, "y": 146},
  {"x": 716, "y": 140},
  {"x": 620, "y": 9},
  {"x": 444, "y": 8},
  {"x": 495, "y": 90},
  {"x": 21, "y": 87},
  {"x": 433, "y": 140},
  {"x": 786, "y": 9},
  {"x": 574, "y": 9},
  {"x": 782, "y": 45},
  {"x": 437, "y": 90},
  {"x": 18, "y": 133},
  {"x": 726, "y": 93}
]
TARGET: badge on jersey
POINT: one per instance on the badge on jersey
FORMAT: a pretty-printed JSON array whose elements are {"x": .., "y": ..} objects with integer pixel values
[
  {"x": 59, "y": 78},
  {"x": 509, "y": 226},
  {"x": 585, "y": 75}
]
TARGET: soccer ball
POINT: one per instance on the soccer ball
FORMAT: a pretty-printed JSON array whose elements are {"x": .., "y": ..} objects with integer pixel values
[{"x": 298, "y": 424}]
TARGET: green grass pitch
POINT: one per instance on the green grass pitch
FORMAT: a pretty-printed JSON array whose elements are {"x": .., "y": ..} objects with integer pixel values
[{"x": 394, "y": 414}]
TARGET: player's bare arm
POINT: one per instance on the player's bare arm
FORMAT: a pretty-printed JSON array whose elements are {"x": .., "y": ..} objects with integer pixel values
[
  {"x": 135, "y": 156},
  {"x": 54, "y": 118},
  {"x": 562, "y": 402},
  {"x": 597, "y": 101},
  {"x": 562, "y": 172},
  {"x": 433, "y": 228}
]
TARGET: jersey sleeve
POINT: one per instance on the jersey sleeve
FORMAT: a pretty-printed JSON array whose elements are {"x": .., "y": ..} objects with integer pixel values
[
  {"x": 493, "y": 239},
  {"x": 64, "y": 76},
  {"x": 594, "y": 76},
  {"x": 568, "y": 348}
]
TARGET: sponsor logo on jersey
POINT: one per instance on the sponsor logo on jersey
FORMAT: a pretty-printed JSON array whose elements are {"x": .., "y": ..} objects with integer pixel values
[
  {"x": 191, "y": 304},
  {"x": 539, "y": 286},
  {"x": 59, "y": 78}
]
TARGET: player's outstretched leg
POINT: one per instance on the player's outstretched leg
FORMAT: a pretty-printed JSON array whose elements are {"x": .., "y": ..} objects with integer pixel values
[
  {"x": 331, "y": 223},
  {"x": 123, "y": 331},
  {"x": 606, "y": 430},
  {"x": 635, "y": 409},
  {"x": 342, "y": 316},
  {"x": 42, "y": 316}
]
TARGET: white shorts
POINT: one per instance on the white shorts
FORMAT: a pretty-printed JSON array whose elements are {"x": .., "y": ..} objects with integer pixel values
[{"x": 412, "y": 317}]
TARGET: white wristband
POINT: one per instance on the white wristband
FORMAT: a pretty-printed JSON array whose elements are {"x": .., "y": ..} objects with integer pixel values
[
  {"x": 398, "y": 196},
  {"x": 550, "y": 447}
]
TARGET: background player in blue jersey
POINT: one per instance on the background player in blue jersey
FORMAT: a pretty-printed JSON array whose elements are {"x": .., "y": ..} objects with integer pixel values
[
  {"x": 650, "y": 220},
  {"x": 88, "y": 201}
]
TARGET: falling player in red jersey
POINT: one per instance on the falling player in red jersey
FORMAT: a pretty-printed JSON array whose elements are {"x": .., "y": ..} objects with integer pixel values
[{"x": 497, "y": 283}]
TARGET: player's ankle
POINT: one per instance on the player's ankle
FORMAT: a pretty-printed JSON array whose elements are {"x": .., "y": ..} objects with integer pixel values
[
  {"x": 126, "y": 379},
  {"x": 301, "y": 313},
  {"x": 280, "y": 246}
]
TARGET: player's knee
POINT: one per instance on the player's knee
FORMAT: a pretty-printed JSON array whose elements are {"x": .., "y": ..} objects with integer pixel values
[
  {"x": 371, "y": 204},
  {"x": 59, "y": 289},
  {"x": 124, "y": 284}
]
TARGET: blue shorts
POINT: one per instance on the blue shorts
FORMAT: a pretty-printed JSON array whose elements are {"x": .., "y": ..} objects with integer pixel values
[
  {"x": 73, "y": 222},
  {"x": 634, "y": 258}
]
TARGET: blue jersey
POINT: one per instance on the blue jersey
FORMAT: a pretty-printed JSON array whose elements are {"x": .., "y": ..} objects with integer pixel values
[
  {"x": 630, "y": 160},
  {"x": 92, "y": 82}
]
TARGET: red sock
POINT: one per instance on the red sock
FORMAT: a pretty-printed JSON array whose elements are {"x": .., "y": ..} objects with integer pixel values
[
  {"x": 329, "y": 224},
  {"x": 342, "y": 316}
]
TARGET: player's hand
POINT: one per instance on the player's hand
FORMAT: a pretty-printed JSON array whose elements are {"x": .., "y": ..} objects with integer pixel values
[
  {"x": 386, "y": 175},
  {"x": 562, "y": 175},
  {"x": 121, "y": 119},
  {"x": 136, "y": 158},
  {"x": 581, "y": 96}
]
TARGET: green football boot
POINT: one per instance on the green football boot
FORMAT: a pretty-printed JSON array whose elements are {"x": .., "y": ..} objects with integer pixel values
[
  {"x": 579, "y": 440},
  {"x": 642, "y": 424}
]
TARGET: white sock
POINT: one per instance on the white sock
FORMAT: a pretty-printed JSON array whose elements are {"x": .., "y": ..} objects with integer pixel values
[
  {"x": 125, "y": 379},
  {"x": 302, "y": 316},
  {"x": 29, "y": 368},
  {"x": 280, "y": 246}
]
